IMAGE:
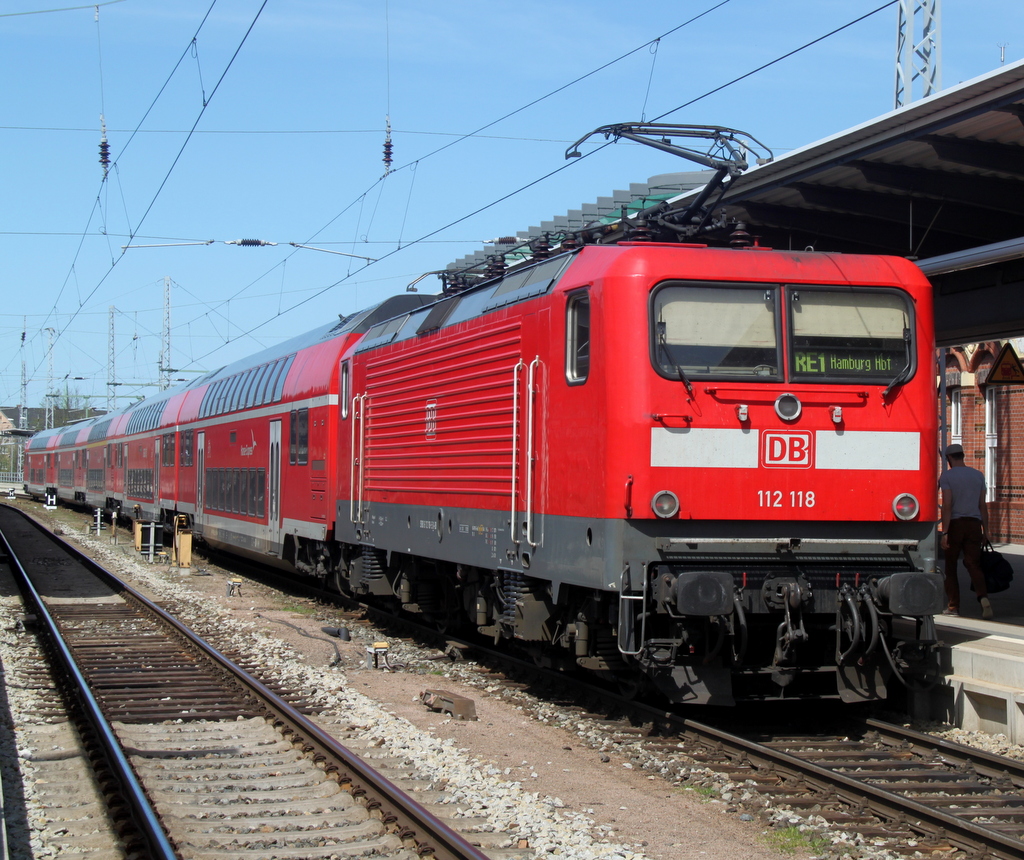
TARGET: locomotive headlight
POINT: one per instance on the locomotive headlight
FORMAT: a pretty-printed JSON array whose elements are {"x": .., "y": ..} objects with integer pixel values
[
  {"x": 788, "y": 407},
  {"x": 905, "y": 506},
  {"x": 665, "y": 504}
]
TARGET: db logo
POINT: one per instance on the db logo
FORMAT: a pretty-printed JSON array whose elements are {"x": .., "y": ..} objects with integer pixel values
[{"x": 786, "y": 450}]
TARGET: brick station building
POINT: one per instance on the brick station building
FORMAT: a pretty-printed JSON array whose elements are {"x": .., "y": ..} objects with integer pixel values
[{"x": 987, "y": 420}]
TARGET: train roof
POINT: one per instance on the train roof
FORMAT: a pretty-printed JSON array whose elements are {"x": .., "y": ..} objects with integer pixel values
[
  {"x": 354, "y": 323},
  {"x": 260, "y": 378},
  {"x": 148, "y": 414}
]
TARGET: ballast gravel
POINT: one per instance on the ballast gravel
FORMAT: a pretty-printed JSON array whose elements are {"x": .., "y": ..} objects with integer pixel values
[{"x": 552, "y": 782}]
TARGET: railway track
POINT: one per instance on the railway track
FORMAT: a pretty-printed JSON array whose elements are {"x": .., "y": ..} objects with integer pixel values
[
  {"x": 902, "y": 790},
  {"x": 907, "y": 792},
  {"x": 199, "y": 759},
  {"x": 897, "y": 789},
  {"x": 891, "y": 787}
]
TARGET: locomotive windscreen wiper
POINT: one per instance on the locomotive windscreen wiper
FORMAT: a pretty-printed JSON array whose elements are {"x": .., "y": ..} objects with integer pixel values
[
  {"x": 904, "y": 373},
  {"x": 663, "y": 346}
]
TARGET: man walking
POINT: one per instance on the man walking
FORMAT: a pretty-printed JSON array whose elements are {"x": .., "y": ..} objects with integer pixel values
[{"x": 964, "y": 525}]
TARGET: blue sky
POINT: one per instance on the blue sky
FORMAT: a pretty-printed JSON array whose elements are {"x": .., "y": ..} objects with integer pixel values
[{"x": 288, "y": 147}]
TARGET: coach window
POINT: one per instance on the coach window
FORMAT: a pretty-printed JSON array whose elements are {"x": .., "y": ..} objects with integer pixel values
[
  {"x": 715, "y": 332},
  {"x": 577, "y": 338},
  {"x": 250, "y": 381},
  {"x": 302, "y": 437},
  {"x": 256, "y": 398},
  {"x": 167, "y": 449},
  {"x": 219, "y": 392},
  {"x": 298, "y": 437},
  {"x": 344, "y": 386},
  {"x": 185, "y": 458},
  {"x": 267, "y": 386},
  {"x": 236, "y": 390},
  {"x": 286, "y": 364},
  {"x": 274, "y": 380},
  {"x": 232, "y": 399}
]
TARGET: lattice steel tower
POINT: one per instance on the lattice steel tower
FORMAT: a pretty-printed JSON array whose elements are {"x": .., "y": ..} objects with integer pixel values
[
  {"x": 51, "y": 393},
  {"x": 111, "y": 358},
  {"x": 165, "y": 348},
  {"x": 918, "y": 51}
]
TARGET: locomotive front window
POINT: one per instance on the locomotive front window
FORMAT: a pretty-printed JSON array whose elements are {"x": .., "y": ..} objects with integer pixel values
[
  {"x": 715, "y": 332},
  {"x": 849, "y": 335}
]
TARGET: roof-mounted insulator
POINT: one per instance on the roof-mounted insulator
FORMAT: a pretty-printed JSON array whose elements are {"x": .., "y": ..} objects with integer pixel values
[
  {"x": 540, "y": 248},
  {"x": 740, "y": 238},
  {"x": 569, "y": 242},
  {"x": 641, "y": 231},
  {"x": 455, "y": 282},
  {"x": 495, "y": 266}
]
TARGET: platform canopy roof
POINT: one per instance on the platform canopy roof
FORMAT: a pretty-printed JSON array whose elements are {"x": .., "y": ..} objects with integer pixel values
[
  {"x": 941, "y": 175},
  {"x": 940, "y": 180}
]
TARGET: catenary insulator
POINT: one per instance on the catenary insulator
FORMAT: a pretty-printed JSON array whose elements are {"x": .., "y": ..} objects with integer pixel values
[
  {"x": 540, "y": 248},
  {"x": 641, "y": 231},
  {"x": 495, "y": 266}
]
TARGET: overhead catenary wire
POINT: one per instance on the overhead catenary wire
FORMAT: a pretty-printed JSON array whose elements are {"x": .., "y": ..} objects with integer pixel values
[
  {"x": 650, "y": 79},
  {"x": 360, "y": 199},
  {"x": 60, "y": 9},
  {"x": 104, "y": 144},
  {"x": 540, "y": 179},
  {"x": 433, "y": 233},
  {"x": 777, "y": 60},
  {"x": 388, "y": 146},
  {"x": 458, "y": 138},
  {"x": 176, "y": 159},
  {"x": 96, "y": 201}
]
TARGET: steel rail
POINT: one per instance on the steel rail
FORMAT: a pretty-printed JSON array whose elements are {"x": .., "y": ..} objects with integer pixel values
[
  {"x": 431, "y": 834},
  {"x": 143, "y": 815},
  {"x": 849, "y": 789},
  {"x": 964, "y": 834},
  {"x": 985, "y": 763}
]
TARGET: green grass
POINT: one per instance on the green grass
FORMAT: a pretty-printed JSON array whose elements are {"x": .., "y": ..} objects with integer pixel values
[
  {"x": 299, "y": 609},
  {"x": 789, "y": 840}
]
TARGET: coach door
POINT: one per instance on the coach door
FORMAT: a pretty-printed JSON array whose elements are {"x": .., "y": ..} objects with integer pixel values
[
  {"x": 200, "y": 516},
  {"x": 157, "y": 457},
  {"x": 274, "y": 485}
]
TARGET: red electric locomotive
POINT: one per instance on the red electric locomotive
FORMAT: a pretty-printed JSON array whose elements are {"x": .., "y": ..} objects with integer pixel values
[
  {"x": 707, "y": 470},
  {"x": 711, "y": 469}
]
